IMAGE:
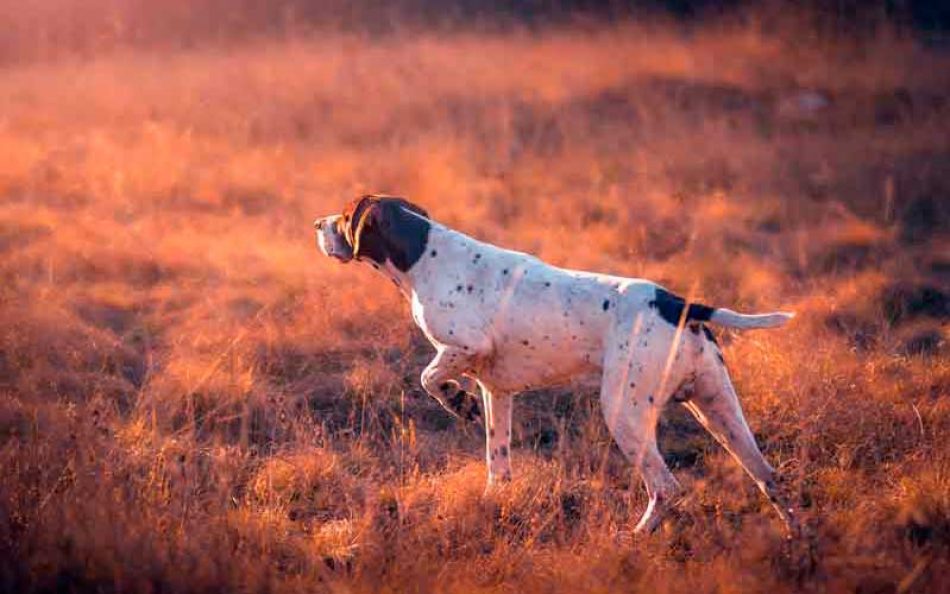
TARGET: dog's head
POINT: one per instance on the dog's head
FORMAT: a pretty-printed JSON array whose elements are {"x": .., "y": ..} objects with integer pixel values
[{"x": 380, "y": 229}]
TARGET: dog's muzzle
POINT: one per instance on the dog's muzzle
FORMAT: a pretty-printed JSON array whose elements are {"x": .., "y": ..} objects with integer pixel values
[
  {"x": 330, "y": 241},
  {"x": 320, "y": 236}
]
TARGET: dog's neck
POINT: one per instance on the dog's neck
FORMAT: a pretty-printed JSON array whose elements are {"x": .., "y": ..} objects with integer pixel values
[{"x": 402, "y": 280}]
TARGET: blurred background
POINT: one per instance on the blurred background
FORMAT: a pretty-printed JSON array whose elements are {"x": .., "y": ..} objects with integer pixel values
[
  {"x": 47, "y": 28},
  {"x": 192, "y": 398}
]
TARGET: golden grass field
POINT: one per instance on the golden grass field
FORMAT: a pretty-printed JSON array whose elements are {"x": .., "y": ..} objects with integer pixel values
[{"x": 193, "y": 399}]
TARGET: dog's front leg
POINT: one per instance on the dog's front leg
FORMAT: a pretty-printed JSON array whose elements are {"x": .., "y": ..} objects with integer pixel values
[
  {"x": 497, "y": 407},
  {"x": 438, "y": 380}
]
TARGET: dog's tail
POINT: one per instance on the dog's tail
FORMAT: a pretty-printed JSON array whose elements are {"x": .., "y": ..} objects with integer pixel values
[
  {"x": 732, "y": 319},
  {"x": 671, "y": 306}
]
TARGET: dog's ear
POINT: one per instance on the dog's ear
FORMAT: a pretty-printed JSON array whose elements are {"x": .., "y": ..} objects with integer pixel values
[
  {"x": 388, "y": 229},
  {"x": 352, "y": 213}
]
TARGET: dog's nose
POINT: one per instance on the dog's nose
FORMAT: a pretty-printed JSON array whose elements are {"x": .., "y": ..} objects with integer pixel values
[{"x": 318, "y": 224}]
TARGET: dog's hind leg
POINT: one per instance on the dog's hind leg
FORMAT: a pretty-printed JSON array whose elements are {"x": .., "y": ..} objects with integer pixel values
[
  {"x": 716, "y": 406},
  {"x": 631, "y": 405}
]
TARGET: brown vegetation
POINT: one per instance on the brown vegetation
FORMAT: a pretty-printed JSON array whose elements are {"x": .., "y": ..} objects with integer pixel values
[{"x": 192, "y": 399}]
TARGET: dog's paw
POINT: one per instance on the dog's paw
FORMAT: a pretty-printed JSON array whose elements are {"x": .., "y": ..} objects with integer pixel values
[
  {"x": 465, "y": 406},
  {"x": 458, "y": 402}
]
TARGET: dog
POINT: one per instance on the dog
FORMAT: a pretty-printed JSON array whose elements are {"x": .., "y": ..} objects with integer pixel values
[{"x": 512, "y": 323}]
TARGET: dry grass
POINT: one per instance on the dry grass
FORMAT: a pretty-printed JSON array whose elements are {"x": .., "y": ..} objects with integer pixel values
[{"x": 192, "y": 399}]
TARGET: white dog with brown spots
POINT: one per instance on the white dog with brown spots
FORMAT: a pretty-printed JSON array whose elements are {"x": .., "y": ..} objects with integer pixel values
[{"x": 514, "y": 323}]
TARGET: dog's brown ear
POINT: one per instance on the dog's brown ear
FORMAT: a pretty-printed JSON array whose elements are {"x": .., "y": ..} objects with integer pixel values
[
  {"x": 383, "y": 228},
  {"x": 353, "y": 212}
]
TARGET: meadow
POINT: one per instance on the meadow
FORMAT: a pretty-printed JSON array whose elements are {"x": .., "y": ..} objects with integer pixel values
[{"x": 193, "y": 399}]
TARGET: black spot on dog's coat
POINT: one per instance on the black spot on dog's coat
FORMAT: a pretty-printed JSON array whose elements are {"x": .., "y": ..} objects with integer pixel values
[
  {"x": 606, "y": 304},
  {"x": 670, "y": 308},
  {"x": 709, "y": 335}
]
